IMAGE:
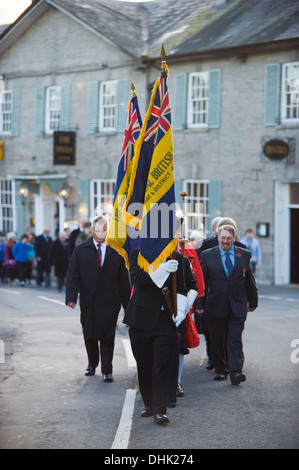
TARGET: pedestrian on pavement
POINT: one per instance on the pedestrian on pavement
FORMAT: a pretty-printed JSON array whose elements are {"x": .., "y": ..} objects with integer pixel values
[
  {"x": 99, "y": 274},
  {"x": 11, "y": 271},
  {"x": 43, "y": 244},
  {"x": 253, "y": 245},
  {"x": 60, "y": 260},
  {"x": 2, "y": 270},
  {"x": 85, "y": 234},
  {"x": 74, "y": 234},
  {"x": 231, "y": 292},
  {"x": 20, "y": 252},
  {"x": 153, "y": 329}
]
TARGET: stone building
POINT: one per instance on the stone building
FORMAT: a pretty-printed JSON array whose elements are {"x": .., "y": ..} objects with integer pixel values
[{"x": 66, "y": 68}]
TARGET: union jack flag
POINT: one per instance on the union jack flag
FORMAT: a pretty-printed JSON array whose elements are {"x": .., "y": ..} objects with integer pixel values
[
  {"x": 160, "y": 119},
  {"x": 131, "y": 132}
]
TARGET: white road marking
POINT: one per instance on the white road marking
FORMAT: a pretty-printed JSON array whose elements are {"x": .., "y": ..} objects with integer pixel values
[
  {"x": 130, "y": 358},
  {"x": 8, "y": 291},
  {"x": 51, "y": 300},
  {"x": 123, "y": 432}
]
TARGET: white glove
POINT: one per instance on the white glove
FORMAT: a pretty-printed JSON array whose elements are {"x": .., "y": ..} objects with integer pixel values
[
  {"x": 161, "y": 274},
  {"x": 182, "y": 309},
  {"x": 191, "y": 296}
]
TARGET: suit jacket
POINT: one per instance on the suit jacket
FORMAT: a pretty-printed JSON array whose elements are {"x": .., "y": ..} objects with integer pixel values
[
  {"x": 42, "y": 250},
  {"x": 223, "y": 293},
  {"x": 102, "y": 291},
  {"x": 144, "y": 308}
]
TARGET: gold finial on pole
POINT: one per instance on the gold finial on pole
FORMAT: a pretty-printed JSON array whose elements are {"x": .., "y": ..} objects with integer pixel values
[
  {"x": 163, "y": 62},
  {"x": 133, "y": 88}
]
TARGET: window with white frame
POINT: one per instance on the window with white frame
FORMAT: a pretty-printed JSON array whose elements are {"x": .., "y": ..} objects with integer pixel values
[
  {"x": 7, "y": 188},
  {"x": 53, "y": 109},
  {"x": 102, "y": 195},
  {"x": 290, "y": 93},
  {"x": 198, "y": 100},
  {"x": 107, "y": 106},
  {"x": 6, "y": 112},
  {"x": 197, "y": 205}
]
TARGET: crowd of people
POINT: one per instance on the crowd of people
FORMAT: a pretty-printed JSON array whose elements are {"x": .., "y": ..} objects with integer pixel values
[
  {"x": 31, "y": 259},
  {"x": 215, "y": 289}
]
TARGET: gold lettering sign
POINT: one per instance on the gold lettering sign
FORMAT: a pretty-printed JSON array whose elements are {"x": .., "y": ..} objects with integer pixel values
[
  {"x": 64, "y": 148},
  {"x": 1, "y": 150},
  {"x": 276, "y": 149}
]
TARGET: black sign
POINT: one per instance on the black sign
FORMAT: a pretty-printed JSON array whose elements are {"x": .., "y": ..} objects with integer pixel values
[
  {"x": 276, "y": 149},
  {"x": 64, "y": 148}
]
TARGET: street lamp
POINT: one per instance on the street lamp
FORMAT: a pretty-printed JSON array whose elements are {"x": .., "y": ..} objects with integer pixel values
[
  {"x": 64, "y": 191},
  {"x": 23, "y": 191}
]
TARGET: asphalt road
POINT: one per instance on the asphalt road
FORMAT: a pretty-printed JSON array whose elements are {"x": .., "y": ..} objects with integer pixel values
[{"x": 46, "y": 402}]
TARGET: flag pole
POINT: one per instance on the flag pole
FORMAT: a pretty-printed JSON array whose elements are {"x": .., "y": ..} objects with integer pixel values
[
  {"x": 174, "y": 275},
  {"x": 184, "y": 240}
]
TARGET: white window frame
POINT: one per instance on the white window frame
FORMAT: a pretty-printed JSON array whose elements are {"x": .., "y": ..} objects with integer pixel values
[
  {"x": 290, "y": 93},
  {"x": 196, "y": 205},
  {"x": 52, "y": 109},
  {"x": 107, "y": 106},
  {"x": 7, "y": 205},
  {"x": 198, "y": 100},
  {"x": 6, "y": 112},
  {"x": 101, "y": 196}
]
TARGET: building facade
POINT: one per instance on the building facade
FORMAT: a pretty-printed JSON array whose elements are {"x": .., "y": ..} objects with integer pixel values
[{"x": 65, "y": 84}]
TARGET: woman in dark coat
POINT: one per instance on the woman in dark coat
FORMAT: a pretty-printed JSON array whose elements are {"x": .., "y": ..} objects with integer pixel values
[
  {"x": 104, "y": 287},
  {"x": 59, "y": 259}
]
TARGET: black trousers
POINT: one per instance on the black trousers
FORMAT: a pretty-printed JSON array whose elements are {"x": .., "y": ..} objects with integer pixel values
[
  {"x": 105, "y": 351},
  {"x": 226, "y": 343},
  {"x": 155, "y": 353}
]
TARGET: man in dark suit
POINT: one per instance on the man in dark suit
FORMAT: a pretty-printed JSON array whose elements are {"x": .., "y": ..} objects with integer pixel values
[
  {"x": 98, "y": 272},
  {"x": 153, "y": 330},
  {"x": 43, "y": 244},
  {"x": 231, "y": 292}
]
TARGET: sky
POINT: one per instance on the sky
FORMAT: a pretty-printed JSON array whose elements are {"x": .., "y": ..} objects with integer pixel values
[{"x": 11, "y": 9}]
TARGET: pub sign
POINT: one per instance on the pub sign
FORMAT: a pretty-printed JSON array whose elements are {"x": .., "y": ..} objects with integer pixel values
[{"x": 64, "y": 148}]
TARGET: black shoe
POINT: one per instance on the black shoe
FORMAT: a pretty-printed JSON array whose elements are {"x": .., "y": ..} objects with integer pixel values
[
  {"x": 90, "y": 371},
  {"x": 160, "y": 418},
  {"x": 147, "y": 411},
  {"x": 238, "y": 378},
  {"x": 210, "y": 365},
  {"x": 179, "y": 391},
  {"x": 107, "y": 378},
  {"x": 220, "y": 377}
]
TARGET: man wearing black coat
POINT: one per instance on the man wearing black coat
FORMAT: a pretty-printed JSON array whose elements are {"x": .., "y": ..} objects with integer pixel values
[
  {"x": 59, "y": 259},
  {"x": 230, "y": 292},
  {"x": 153, "y": 330},
  {"x": 98, "y": 272},
  {"x": 42, "y": 246}
]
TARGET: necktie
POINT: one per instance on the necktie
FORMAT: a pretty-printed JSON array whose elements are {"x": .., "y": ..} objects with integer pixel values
[
  {"x": 229, "y": 264},
  {"x": 100, "y": 255}
]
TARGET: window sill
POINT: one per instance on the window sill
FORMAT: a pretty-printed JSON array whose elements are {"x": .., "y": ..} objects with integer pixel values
[
  {"x": 200, "y": 130},
  {"x": 106, "y": 134},
  {"x": 284, "y": 126}
]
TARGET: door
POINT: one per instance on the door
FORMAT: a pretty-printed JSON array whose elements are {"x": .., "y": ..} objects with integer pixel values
[{"x": 294, "y": 228}]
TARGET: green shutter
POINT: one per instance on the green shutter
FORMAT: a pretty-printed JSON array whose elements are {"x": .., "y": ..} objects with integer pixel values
[
  {"x": 92, "y": 107},
  {"x": 121, "y": 104},
  {"x": 65, "y": 108},
  {"x": 15, "y": 118},
  {"x": 214, "y": 99},
  {"x": 20, "y": 213},
  {"x": 272, "y": 94},
  {"x": 215, "y": 201},
  {"x": 40, "y": 111},
  {"x": 180, "y": 102}
]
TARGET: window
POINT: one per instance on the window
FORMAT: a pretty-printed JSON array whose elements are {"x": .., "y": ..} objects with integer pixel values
[
  {"x": 6, "y": 112},
  {"x": 290, "y": 93},
  {"x": 6, "y": 205},
  {"x": 197, "y": 205},
  {"x": 198, "y": 96},
  {"x": 53, "y": 109},
  {"x": 102, "y": 195},
  {"x": 107, "y": 106}
]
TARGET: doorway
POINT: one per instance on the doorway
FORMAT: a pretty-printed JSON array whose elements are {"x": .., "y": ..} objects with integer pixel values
[{"x": 294, "y": 254}]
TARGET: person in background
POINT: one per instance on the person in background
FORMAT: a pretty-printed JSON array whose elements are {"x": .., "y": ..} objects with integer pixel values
[
  {"x": 20, "y": 252},
  {"x": 253, "y": 245},
  {"x": 74, "y": 234},
  {"x": 11, "y": 272},
  {"x": 2, "y": 270},
  {"x": 42, "y": 247},
  {"x": 59, "y": 259},
  {"x": 85, "y": 234}
]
